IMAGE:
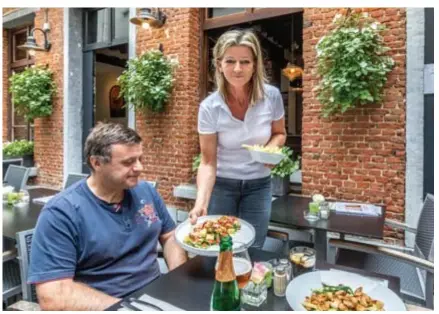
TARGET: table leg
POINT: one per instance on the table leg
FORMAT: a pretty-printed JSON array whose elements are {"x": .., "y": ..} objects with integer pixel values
[{"x": 320, "y": 244}]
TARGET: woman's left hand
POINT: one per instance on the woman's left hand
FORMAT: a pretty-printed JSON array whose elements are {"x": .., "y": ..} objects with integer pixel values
[{"x": 270, "y": 166}]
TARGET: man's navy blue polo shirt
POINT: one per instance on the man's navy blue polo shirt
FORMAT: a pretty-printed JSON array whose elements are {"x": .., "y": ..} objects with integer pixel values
[{"x": 110, "y": 247}]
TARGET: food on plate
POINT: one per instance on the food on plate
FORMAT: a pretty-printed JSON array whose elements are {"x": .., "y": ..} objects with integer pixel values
[
  {"x": 341, "y": 298},
  {"x": 261, "y": 148},
  {"x": 210, "y": 231}
]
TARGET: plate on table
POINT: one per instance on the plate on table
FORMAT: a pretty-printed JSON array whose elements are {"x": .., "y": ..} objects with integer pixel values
[
  {"x": 242, "y": 239},
  {"x": 263, "y": 155},
  {"x": 301, "y": 287}
]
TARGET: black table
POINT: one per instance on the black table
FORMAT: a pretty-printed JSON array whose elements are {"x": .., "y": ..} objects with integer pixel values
[
  {"x": 21, "y": 219},
  {"x": 190, "y": 285},
  {"x": 287, "y": 211}
]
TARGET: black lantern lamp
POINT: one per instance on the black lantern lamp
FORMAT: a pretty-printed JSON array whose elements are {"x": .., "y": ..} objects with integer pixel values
[
  {"x": 31, "y": 45},
  {"x": 146, "y": 18}
]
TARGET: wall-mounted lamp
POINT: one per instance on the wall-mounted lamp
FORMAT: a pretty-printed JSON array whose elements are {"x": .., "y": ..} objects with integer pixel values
[
  {"x": 31, "y": 45},
  {"x": 146, "y": 18}
]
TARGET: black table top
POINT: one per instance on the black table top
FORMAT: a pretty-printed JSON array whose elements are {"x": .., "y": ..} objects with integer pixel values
[
  {"x": 288, "y": 211},
  {"x": 21, "y": 219},
  {"x": 190, "y": 285}
]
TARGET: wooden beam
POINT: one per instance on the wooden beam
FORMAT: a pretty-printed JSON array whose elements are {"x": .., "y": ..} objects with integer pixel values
[{"x": 247, "y": 16}]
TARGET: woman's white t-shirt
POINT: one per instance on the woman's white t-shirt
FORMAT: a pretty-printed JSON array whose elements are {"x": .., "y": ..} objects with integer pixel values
[{"x": 234, "y": 161}]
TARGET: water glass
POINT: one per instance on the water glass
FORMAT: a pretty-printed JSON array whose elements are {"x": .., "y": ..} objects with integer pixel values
[
  {"x": 324, "y": 210},
  {"x": 312, "y": 213},
  {"x": 254, "y": 294}
]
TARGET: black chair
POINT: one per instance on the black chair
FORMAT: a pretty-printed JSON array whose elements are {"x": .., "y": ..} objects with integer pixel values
[
  {"x": 73, "y": 178},
  {"x": 415, "y": 266},
  {"x": 17, "y": 177},
  {"x": 8, "y": 162}
]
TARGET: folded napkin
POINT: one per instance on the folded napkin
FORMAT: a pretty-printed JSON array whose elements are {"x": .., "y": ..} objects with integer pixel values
[{"x": 165, "y": 306}]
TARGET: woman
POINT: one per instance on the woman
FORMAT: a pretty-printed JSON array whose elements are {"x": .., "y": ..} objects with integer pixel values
[{"x": 244, "y": 110}]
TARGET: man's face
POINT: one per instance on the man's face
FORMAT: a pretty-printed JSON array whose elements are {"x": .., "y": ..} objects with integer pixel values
[{"x": 125, "y": 166}]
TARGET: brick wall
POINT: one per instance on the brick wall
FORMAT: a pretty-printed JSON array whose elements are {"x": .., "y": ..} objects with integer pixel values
[
  {"x": 171, "y": 138},
  {"x": 359, "y": 155},
  {"x": 5, "y": 85},
  {"x": 49, "y": 131}
]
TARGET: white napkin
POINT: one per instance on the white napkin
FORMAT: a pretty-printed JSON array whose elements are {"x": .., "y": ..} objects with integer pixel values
[{"x": 165, "y": 306}]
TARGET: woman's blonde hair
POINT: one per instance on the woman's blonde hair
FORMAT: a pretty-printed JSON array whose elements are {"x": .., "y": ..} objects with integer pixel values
[{"x": 241, "y": 38}]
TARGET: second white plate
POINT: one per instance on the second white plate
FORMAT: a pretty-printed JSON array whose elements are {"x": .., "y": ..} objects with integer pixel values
[{"x": 242, "y": 239}]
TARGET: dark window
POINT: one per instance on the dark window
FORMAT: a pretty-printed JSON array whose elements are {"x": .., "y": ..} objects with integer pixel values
[
  {"x": 216, "y": 12},
  {"x": 18, "y": 127},
  {"x": 121, "y": 22},
  {"x": 19, "y": 38},
  {"x": 105, "y": 27}
]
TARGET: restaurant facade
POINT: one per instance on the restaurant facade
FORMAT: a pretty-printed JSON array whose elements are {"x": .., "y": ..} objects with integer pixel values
[{"x": 376, "y": 153}]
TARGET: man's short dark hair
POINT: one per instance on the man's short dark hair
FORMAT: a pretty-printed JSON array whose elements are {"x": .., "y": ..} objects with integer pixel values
[{"x": 103, "y": 135}]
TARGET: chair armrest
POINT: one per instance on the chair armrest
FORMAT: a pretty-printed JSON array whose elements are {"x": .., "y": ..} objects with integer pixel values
[
  {"x": 10, "y": 254},
  {"x": 278, "y": 235},
  {"x": 400, "y": 225},
  {"x": 366, "y": 248}
]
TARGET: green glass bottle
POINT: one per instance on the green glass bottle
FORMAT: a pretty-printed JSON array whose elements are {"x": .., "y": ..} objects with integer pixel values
[{"x": 225, "y": 295}]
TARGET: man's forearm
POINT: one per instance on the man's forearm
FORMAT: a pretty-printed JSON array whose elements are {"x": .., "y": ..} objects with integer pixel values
[
  {"x": 74, "y": 296},
  {"x": 174, "y": 254}
]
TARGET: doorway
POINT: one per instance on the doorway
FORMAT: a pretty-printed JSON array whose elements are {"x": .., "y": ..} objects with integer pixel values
[
  {"x": 282, "y": 43},
  {"x": 105, "y": 56}
]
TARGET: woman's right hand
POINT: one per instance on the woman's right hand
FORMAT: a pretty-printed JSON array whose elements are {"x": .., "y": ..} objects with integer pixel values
[{"x": 196, "y": 212}]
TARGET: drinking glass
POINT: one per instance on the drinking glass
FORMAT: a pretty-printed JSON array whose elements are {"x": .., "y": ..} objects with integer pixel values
[
  {"x": 312, "y": 213},
  {"x": 303, "y": 259},
  {"x": 243, "y": 267}
]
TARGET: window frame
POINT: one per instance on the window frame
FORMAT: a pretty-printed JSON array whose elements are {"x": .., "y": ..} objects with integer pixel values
[
  {"x": 111, "y": 16},
  {"x": 14, "y": 66}
]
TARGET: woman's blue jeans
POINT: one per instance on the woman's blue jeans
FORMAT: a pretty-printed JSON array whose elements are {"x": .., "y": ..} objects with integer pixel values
[{"x": 249, "y": 200}]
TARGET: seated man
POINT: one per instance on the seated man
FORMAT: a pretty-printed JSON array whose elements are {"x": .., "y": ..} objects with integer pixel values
[{"x": 96, "y": 241}]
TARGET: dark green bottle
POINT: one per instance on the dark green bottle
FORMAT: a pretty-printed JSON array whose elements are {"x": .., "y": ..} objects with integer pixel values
[{"x": 225, "y": 295}]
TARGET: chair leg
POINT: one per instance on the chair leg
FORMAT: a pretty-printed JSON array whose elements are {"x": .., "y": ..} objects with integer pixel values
[{"x": 429, "y": 291}]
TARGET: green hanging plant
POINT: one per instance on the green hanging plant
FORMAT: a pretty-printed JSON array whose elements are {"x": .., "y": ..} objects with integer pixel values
[
  {"x": 32, "y": 91},
  {"x": 352, "y": 63},
  {"x": 287, "y": 165},
  {"x": 147, "y": 83}
]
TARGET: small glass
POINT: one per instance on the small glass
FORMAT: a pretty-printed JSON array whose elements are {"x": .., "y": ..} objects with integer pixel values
[
  {"x": 254, "y": 294},
  {"x": 324, "y": 210},
  {"x": 22, "y": 199},
  {"x": 312, "y": 213},
  {"x": 303, "y": 259}
]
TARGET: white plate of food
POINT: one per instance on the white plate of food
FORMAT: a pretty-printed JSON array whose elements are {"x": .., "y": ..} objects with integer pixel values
[
  {"x": 265, "y": 155},
  {"x": 330, "y": 290},
  {"x": 203, "y": 237}
]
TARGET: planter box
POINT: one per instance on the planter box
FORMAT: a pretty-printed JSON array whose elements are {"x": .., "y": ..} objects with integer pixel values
[
  {"x": 28, "y": 160},
  {"x": 280, "y": 186}
]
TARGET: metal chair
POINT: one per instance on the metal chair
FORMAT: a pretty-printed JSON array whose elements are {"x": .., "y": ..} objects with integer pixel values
[
  {"x": 414, "y": 266},
  {"x": 11, "y": 271},
  {"x": 17, "y": 177},
  {"x": 28, "y": 291},
  {"x": 73, "y": 178},
  {"x": 8, "y": 162}
]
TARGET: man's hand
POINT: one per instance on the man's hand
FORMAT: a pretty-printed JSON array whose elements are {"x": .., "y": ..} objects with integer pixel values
[{"x": 196, "y": 212}]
